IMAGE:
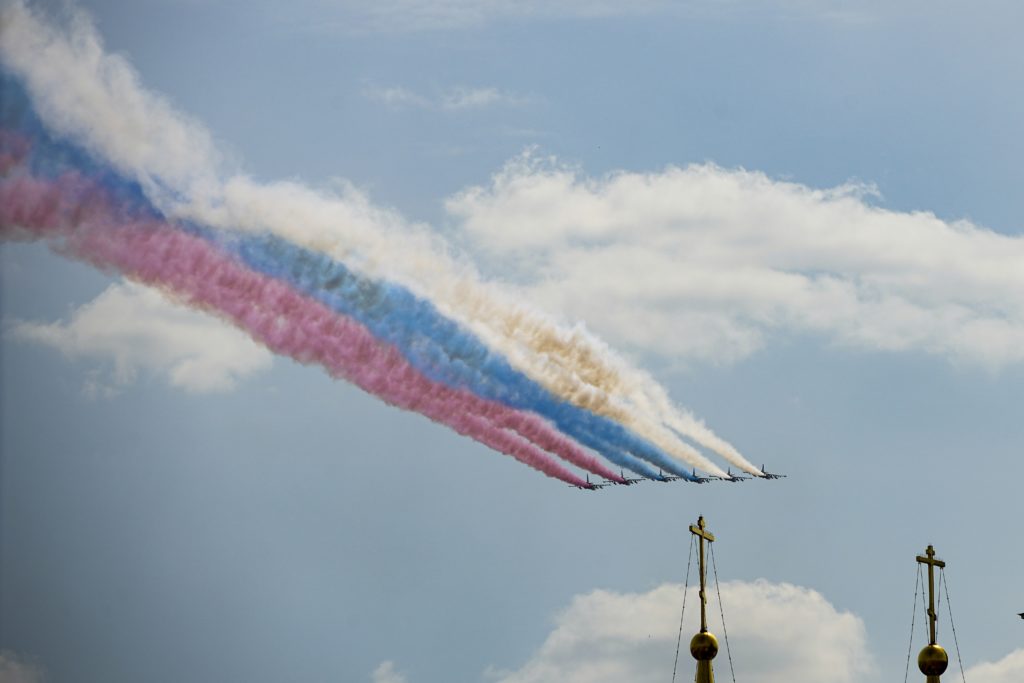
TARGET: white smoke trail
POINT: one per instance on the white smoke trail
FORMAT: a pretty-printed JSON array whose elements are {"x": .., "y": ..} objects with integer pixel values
[{"x": 96, "y": 100}]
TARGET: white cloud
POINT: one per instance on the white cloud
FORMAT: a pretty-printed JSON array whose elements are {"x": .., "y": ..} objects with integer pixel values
[
  {"x": 138, "y": 329},
  {"x": 709, "y": 263},
  {"x": 14, "y": 669},
  {"x": 1009, "y": 669},
  {"x": 778, "y": 633},
  {"x": 385, "y": 673},
  {"x": 457, "y": 98}
]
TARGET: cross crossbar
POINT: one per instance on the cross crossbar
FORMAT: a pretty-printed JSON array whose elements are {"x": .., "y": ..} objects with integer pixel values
[{"x": 699, "y": 530}]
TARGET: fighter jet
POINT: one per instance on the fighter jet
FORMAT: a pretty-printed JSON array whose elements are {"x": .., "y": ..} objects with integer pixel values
[
  {"x": 627, "y": 481},
  {"x": 666, "y": 477},
  {"x": 733, "y": 477},
  {"x": 769, "y": 475},
  {"x": 590, "y": 486},
  {"x": 701, "y": 480}
]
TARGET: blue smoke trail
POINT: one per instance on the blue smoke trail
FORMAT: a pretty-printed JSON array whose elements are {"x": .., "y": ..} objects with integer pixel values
[{"x": 436, "y": 345}]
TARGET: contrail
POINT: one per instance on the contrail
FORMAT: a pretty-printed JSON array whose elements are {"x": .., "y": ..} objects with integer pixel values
[{"x": 78, "y": 219}]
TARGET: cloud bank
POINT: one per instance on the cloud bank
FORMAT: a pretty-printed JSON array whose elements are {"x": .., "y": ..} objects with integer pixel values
[
  {"x": 787, "y": 634},
  {"x": 712, "y": 264},
  {"x": 139, "y": 330},
  {"x": 778, "y": 633},
  {"x": 1009, "y": 669}
]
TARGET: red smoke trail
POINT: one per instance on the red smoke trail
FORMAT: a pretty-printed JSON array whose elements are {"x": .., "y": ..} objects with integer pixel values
[{"x": 149, "y": 250}]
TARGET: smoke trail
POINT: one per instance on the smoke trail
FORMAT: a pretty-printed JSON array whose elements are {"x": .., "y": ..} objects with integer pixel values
[
  {"x": 395, "y": 317},
  {"x": 76, "y": 216},
  {"x": 326, "y": 225},
  {"x": 95, "y": 99},
  {"x": 434, "y": 344}
]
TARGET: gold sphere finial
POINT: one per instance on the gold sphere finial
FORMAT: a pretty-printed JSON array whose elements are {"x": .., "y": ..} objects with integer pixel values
[
  {"x": 933, "y": 660},
  {"x": 704, "y": 646}
]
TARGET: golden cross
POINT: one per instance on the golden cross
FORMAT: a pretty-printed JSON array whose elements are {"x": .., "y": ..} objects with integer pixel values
[
  {"x": 704, "y": 535},
  {"x": 932, "y": 564}
]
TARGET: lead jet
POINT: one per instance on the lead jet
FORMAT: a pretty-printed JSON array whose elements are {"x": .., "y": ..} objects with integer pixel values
[{"x": 769, "y": 475}]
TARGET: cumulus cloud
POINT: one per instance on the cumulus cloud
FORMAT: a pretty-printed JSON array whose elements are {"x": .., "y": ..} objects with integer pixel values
[
  {"x": 1009, "y": 669},
  {"x": 711, "y": 263},
  {"x": 779, "y": 633},
  {"x": 137, "y": 329},
  {"x": 456, "y": 98},
  {"x": 385, "y": 673},
  {"x": 15, "y": 669}
]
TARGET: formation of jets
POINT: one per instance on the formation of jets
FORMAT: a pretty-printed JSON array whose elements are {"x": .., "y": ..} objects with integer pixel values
[{"x": 662, "y": 477}]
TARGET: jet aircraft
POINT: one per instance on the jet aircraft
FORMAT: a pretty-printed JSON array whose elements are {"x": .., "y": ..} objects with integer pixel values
[
  {"x": 770, "y": 475},
  {"x": 590, "y": 486},
  {"x": 667, "y": 477},
  {"x": 701, "y": 480},
  {"x": 734, "y": 477},
  {"x": 627, "y": 481}
]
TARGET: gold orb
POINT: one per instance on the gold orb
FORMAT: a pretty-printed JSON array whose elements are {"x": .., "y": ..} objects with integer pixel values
[
  {"x": 704, "y": 646},
  {"x": 932, "y": 661}
]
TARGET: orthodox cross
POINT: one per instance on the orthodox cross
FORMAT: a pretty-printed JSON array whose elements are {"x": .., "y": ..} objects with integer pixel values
[
  {"x": 932, "y": 564},
  {"x": 704, "y": 535}
]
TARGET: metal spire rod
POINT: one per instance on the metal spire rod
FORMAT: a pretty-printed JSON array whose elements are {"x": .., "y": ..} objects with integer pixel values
[
  {"x": 933, "y": 660},
  {"x": 704, "y": 645}
]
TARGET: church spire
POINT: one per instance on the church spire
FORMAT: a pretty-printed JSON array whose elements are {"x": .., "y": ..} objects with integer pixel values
[
  {"x": 932, "y": 661},
  {"x": 704, "y": 645}
]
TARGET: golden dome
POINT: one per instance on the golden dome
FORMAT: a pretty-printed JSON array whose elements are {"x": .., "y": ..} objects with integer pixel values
[
  {"x": 704, "y": 646},
  {"x": 932, "y": 661}
]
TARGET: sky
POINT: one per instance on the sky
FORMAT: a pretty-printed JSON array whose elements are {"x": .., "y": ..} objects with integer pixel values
[{"x": 802, "y": 218}]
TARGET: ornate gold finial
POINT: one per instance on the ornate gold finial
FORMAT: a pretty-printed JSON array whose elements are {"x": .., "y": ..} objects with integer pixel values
[
  {"x": 933, "y": 660},
  {"x": 704, "y": 645}
]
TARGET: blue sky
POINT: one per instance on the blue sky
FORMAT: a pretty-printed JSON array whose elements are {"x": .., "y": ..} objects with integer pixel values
[{"x": 803, "y": 218}]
